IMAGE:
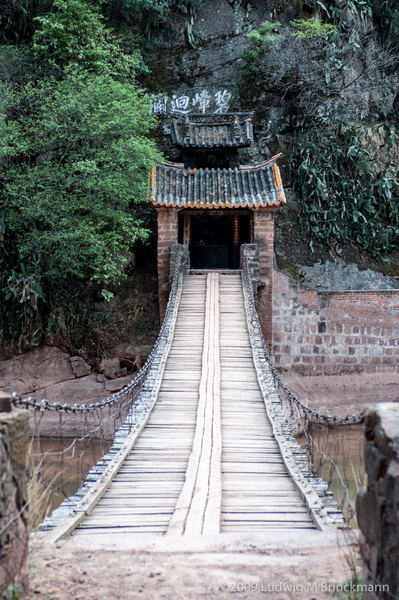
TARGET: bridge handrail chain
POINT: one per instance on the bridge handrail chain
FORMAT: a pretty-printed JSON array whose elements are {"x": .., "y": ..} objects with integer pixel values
[
  {"x": 133, "y": 387},
  {"x": 311, "y": 414}
]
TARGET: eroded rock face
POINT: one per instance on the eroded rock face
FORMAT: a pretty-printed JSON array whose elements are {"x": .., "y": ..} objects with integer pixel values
[
  {"x": 341, "y": 276},
  {"x": 51, "y": 374},
  {"x": 41, "y": 368},
  {"x": 131, "y": 357}
]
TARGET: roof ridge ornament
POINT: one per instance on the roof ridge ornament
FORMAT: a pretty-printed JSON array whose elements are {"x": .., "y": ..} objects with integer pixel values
[{"x": 237, "y": 133}]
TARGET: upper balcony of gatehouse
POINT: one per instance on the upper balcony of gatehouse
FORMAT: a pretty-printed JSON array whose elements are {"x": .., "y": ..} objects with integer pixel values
[{"x": 209, "y": 174}]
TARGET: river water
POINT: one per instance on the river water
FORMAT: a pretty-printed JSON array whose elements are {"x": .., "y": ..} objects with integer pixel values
[
  {"x": 63, "y": 465},
  {"x": 338, "y": 459}
]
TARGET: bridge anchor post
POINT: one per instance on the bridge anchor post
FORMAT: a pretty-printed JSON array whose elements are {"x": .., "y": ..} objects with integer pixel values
[
  {"x": 378, "y": 505},
  {"x": 14, "y": 503}
]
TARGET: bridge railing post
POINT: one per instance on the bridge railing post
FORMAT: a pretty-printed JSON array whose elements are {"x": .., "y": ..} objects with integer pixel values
[
  {"x": 175, "y": 251},
  {"x": 249, "y": 258},
  {"x": 378, "y": 504}
]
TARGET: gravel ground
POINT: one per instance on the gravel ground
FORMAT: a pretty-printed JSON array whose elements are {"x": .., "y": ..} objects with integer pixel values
[{"x": 255, "y": 567}]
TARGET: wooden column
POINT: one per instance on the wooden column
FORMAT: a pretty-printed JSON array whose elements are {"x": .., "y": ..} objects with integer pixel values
[{"x": 187, "y": 230}]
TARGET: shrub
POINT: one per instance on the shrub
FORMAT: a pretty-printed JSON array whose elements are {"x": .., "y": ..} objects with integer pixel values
[
  {"x": 75, "y": 35},
  {"x": 312, "y": 28}
]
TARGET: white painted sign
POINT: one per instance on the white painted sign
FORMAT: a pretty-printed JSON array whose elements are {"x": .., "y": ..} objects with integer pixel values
[{"x": 203, "y": 102}]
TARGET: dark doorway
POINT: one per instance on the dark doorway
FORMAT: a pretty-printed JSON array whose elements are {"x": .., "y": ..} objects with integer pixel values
[
  {"x": 207, "y": 160},
  {"x": 212, "y": 241}
]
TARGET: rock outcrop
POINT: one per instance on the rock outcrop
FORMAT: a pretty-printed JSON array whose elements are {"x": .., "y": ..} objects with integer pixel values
[
  {"x": 49, "y": 373},
  {"x": 42, "y": 368}
]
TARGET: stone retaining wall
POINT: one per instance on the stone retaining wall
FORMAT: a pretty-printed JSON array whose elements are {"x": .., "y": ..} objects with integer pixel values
[
  {"x": 334, "y": 332},
  {"x": 14, "y": 532},
  {"x": 378, "y": 504}
]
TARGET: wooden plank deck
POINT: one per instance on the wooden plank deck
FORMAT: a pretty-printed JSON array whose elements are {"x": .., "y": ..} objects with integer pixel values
[
  {"x": 257, "y": 492},
  {"x": 207, "y": 460},
  {"x": 143, "y": 495}
]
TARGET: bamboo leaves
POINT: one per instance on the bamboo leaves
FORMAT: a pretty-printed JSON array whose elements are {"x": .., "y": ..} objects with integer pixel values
[{"x": 344, "y": 194}]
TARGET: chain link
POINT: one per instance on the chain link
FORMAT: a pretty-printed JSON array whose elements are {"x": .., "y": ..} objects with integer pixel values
[
  {"x": 133, "y": 388},
  {"x": 312, "y": 415}
]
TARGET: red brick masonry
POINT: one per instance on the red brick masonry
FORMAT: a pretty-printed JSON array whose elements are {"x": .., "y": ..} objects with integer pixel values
[
  {"x": 334, "y": 332},
  {"x": 168, "y": 220},
  {"x": 263, "y": 224}
]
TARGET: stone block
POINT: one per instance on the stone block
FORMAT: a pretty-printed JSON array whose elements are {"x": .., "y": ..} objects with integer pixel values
[
  {"x": 14, "y": 512},
  {"x": 378, "y": 505},
  {"x": 111, "y": 368},
  {"x": 376, "y": 463},
  {"x": 79, "y": 366}
]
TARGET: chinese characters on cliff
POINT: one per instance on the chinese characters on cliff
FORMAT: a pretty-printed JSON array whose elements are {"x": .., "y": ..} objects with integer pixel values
[{"x": 202, "y": 102}]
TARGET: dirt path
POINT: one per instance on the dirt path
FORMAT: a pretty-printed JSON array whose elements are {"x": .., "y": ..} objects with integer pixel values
[{"x": 254, "y": 568}]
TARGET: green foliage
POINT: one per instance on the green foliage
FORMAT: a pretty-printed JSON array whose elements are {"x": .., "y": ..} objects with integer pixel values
[
  {"x": 189, "y": 7},
  {"x": 265, "y": 36},
  {"x": 261, "y": 39},
  {"x": 13, "y": 20},
  {"x": 388, "y": 14},
  {"x": 16, "y": 19},
  {"x": 383, "y": 15},
  {"x": 157, "y": 12},
  {"x": 237, "y": 3},
  {"x": 12, "y": 593},
  {"x": 312, "y": 28},
  {"x": 363, "y": 8},
  {"x": 74, "y": 34},
  {"x": 344, "y": 194},
  {"x": 75, "y": 161}
]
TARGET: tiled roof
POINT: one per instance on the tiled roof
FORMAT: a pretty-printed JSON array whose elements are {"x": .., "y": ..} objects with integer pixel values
[
  {"x": 173, "y": 185},
  {"x": 224, "y": 130}
]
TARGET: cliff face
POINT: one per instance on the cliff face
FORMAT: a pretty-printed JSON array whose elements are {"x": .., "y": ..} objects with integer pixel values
[
  {"x": 208, "y": 78},
  {"x": 282, "y": 85},
  {"x": 295, "y": 88}
]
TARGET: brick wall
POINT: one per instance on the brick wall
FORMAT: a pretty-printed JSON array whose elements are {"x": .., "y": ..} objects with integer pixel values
[
  {"x": 334, "y": 332},
  {"x": 168, "y": 223},
  {"x": 263, "y": 224}
]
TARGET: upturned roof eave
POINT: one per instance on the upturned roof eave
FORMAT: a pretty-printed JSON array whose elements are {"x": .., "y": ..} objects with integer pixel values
[{"x": 255, "y": 193}]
